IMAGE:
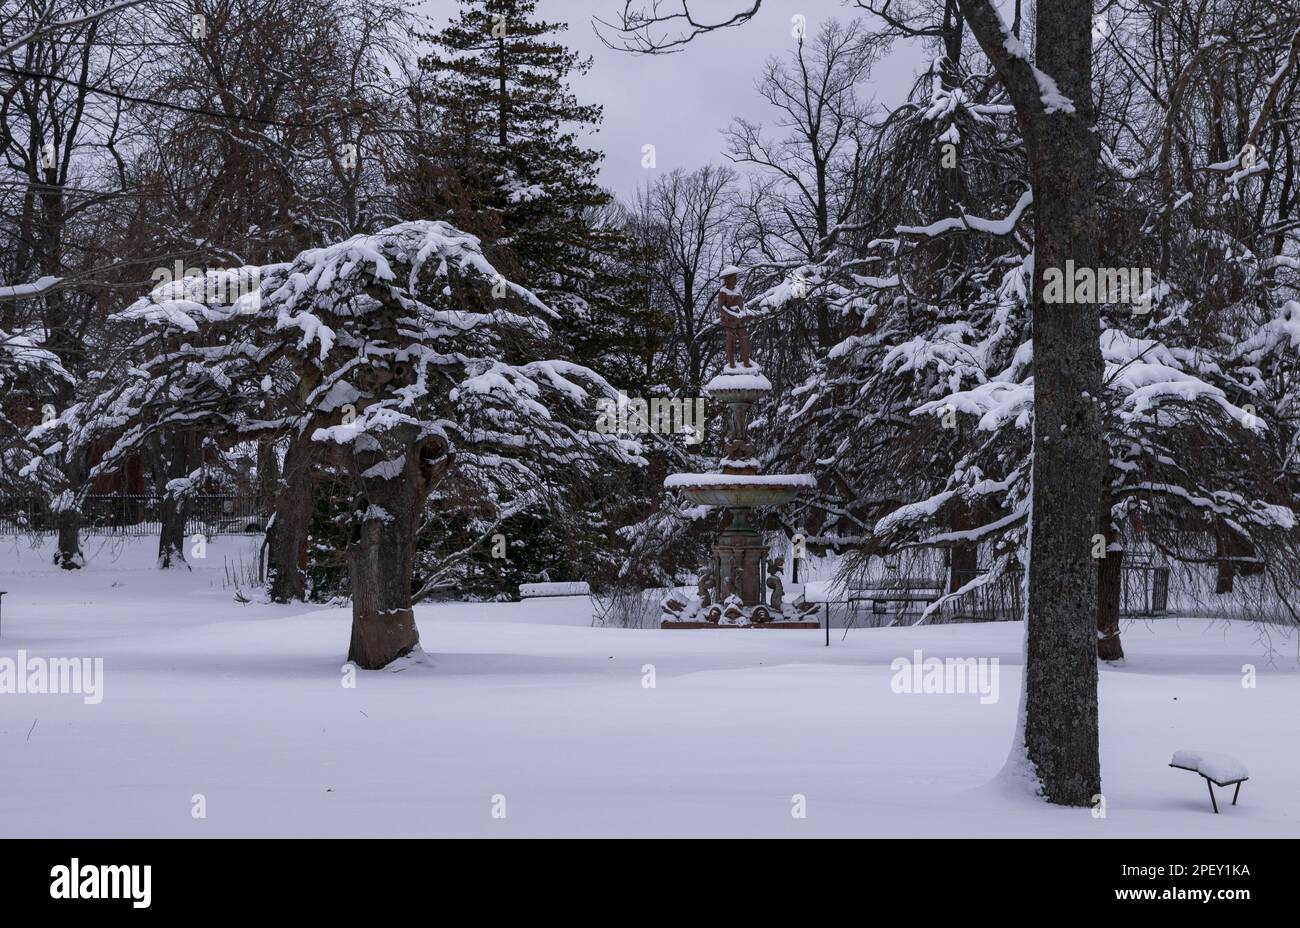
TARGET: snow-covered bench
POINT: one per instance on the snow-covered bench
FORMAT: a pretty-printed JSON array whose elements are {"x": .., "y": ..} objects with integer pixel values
[
  {"x": 540, "y": 590},
  {"x": 1218, "y": 769},
  {"x": 902, "y": 591}
]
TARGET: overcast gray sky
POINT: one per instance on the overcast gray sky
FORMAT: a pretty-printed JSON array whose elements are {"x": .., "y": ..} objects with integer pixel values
[{"x": 682, "y": 102}]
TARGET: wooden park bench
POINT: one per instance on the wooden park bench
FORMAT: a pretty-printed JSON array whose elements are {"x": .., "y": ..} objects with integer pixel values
[{"x": 1218, "y": 769}]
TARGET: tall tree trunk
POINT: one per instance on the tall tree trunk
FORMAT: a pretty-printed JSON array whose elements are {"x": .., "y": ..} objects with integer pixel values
[
  {"x": 63, "y": 341},
  {"x": 1061, "y": 735},
  {"x": 286, "y": 575},
  {"x": 1061, "y": 732}
]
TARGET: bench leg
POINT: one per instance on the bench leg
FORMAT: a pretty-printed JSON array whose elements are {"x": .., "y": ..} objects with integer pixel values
[
  {"x": 1235, "y": 793},
  {"x": 1212, "y": 802}
]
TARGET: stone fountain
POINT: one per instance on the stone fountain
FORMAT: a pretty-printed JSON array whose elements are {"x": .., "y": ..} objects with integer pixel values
[{"x": 734, "y": 589}]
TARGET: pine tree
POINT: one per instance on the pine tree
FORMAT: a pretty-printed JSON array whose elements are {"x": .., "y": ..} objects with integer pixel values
[
  {"x": 500, "y": 84},
  {"x": 502, "y": 160}
]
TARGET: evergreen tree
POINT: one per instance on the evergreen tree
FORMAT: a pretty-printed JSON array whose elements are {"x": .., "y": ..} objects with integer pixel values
[
  {"x": 499, "y": 82},
  {"x": 500, "y": 157}
]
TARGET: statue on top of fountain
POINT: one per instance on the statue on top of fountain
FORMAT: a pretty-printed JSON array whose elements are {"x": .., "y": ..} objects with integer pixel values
[{"x": 731, "y": 305}]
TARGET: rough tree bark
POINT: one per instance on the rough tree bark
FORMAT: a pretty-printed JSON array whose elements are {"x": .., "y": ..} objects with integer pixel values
[
  {"x": 286, "y": 574},
  {"x": 1061, "y": 732},
  {"x": 67, "y": 520},
  {"x": 268, "y": 476},
  {"x": 172, "y": 512},
  {"x": 67, "y": 515},
  {"x": 381, "y": 552},
  {"x": 1110, "y": 572}
]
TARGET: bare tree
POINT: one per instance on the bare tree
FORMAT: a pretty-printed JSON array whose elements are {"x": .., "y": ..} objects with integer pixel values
[
  {"x": 689, "y": 219},
  {"x": 813, "y": 166}
]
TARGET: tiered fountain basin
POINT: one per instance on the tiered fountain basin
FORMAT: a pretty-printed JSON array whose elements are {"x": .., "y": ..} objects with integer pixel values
[
  {"x": 740, "y": 491},
  {"x": 738, "y": 384},
  {"x": 738, "y": 576}
]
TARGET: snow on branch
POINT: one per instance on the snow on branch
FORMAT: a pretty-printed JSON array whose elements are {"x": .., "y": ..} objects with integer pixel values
[
  {"x": 27, "y": 291},
  {"x": 1003, "y": 226}
]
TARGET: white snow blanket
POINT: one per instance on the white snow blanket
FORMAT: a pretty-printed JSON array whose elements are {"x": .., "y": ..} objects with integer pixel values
[{"x": 243, "y": 703}]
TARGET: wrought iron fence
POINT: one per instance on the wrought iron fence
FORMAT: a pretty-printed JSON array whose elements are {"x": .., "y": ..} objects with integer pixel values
[
  {"x": 998, "y": 600},
  {"x": 136, "y": 514},
  {"x": 1144, "y": 590}
]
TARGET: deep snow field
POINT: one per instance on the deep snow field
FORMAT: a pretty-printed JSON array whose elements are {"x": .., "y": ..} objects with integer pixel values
[{"x": 244, "y": 705}]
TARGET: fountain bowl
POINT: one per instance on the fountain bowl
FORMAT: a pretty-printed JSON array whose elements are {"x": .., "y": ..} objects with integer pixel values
[
  {"x": 740, "y": 491},
  {"x": 738, "y": 385}
]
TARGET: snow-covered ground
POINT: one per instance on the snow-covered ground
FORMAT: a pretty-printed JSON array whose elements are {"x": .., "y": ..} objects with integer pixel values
[{"x": 244, "y": 705}]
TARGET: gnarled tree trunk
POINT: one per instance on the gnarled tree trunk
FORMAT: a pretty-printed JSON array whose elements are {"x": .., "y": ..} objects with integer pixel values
[
  {"x": 381, "y": 552},
  {"x": 68, "y": 520}
]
